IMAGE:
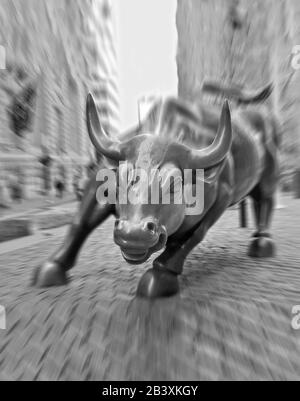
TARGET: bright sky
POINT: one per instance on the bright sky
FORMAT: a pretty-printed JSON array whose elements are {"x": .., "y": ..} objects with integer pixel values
[{"x": 147, "y": 52}]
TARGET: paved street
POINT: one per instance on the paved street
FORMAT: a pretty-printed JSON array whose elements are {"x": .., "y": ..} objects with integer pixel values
[{"x": 232, "y": 319}]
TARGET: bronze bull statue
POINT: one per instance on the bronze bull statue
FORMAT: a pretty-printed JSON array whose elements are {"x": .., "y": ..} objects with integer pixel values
[{"x": 238, "y": 154}]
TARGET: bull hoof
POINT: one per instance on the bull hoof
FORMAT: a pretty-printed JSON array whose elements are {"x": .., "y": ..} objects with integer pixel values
[
  {"x": 157, "y": 284},
  {"x": 262, "y": 247},
  {"x": 49, "y": 275}
]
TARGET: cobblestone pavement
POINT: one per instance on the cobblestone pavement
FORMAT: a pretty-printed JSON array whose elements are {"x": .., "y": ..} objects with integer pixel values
[{"x": 232, "y": 319}]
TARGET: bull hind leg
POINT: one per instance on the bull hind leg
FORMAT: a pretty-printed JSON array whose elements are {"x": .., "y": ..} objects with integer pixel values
[
  {"x": 262, "y": 245},
  {"x": 91, "y": 214},
  {"x": 263, "y": 195}
]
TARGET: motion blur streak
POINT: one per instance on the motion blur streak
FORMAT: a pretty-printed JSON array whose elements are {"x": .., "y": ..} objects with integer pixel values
[{"x": 235, "y": 318}]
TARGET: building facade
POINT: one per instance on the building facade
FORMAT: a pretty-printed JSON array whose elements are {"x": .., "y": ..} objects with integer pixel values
[
  {"x": 245, "y": 44},
  {"x": 59, "y": 50},
  {"x": 227, "y": 41}
]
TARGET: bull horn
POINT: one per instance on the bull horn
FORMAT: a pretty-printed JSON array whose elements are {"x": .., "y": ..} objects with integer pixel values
[
  {"x": 217, "y": 151},
  {"x": 102, "y": 142}
]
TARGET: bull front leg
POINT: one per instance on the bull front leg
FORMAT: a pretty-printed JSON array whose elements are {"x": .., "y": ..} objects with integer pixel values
[
  {"x": 90, "y": 215},
  {"x": 162, "y": 279}
]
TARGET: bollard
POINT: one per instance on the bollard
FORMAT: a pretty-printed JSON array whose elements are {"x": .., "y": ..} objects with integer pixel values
[
  {"x": 297, "y": 184},
  {"x": 243, "y": 214},
  {"x": 278, "y": 200}
]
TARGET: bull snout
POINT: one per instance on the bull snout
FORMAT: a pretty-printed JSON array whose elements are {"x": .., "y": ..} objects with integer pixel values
[{"x": 138, "y": 240}]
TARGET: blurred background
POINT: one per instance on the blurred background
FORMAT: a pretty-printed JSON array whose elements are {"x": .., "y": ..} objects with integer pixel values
[
  {"x": 127, "y": 54},
  {"x": 232, "y": 319}
]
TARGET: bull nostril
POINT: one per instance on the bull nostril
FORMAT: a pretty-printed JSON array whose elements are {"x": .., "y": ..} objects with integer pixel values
[
  {"x": 117, "y": 223},
  {"x": 162, "y": 239},
  {"x": 151, "y": 226}
]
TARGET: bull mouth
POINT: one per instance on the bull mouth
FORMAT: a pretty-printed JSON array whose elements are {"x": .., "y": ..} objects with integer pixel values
[{"x": 137, "y": 256}]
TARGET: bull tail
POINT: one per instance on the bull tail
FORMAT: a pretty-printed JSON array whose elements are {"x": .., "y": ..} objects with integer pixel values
[{"x": 238, "y": 93}]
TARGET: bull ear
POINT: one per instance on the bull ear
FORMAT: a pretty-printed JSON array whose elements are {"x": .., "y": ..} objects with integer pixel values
[{"x": 211, "y": 175}]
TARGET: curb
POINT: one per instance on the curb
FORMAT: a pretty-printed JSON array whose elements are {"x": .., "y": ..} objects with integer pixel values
[
  {"x": 21, "y": 226},
  {"x": 15, "y": 228}
]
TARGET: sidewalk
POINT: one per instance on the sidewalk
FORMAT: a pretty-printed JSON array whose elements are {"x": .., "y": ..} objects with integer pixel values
[
  {"x": 49, "y": 212},
  {"x": 30, "y": 206},
  {"x": 39, "y": 214},
  {"x": 233, "y": 319}
]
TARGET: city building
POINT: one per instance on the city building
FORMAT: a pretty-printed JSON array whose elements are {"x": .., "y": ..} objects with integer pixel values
[
  {"x": 243, "y": 43},
  {"x": 57, "y": 51}
]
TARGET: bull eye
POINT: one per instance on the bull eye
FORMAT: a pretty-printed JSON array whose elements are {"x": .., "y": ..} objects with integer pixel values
[
  {"x": 190, "y": 179},
  {"x": 172, "y": 187},
  {"x": 134, "y": 181}
]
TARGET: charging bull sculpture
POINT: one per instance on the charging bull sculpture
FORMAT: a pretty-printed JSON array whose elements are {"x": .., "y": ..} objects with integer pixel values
[{"x": 238, "y": 154}]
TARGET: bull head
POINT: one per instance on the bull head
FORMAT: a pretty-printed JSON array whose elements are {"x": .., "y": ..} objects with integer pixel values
[{"x": 143, "y": 228}]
